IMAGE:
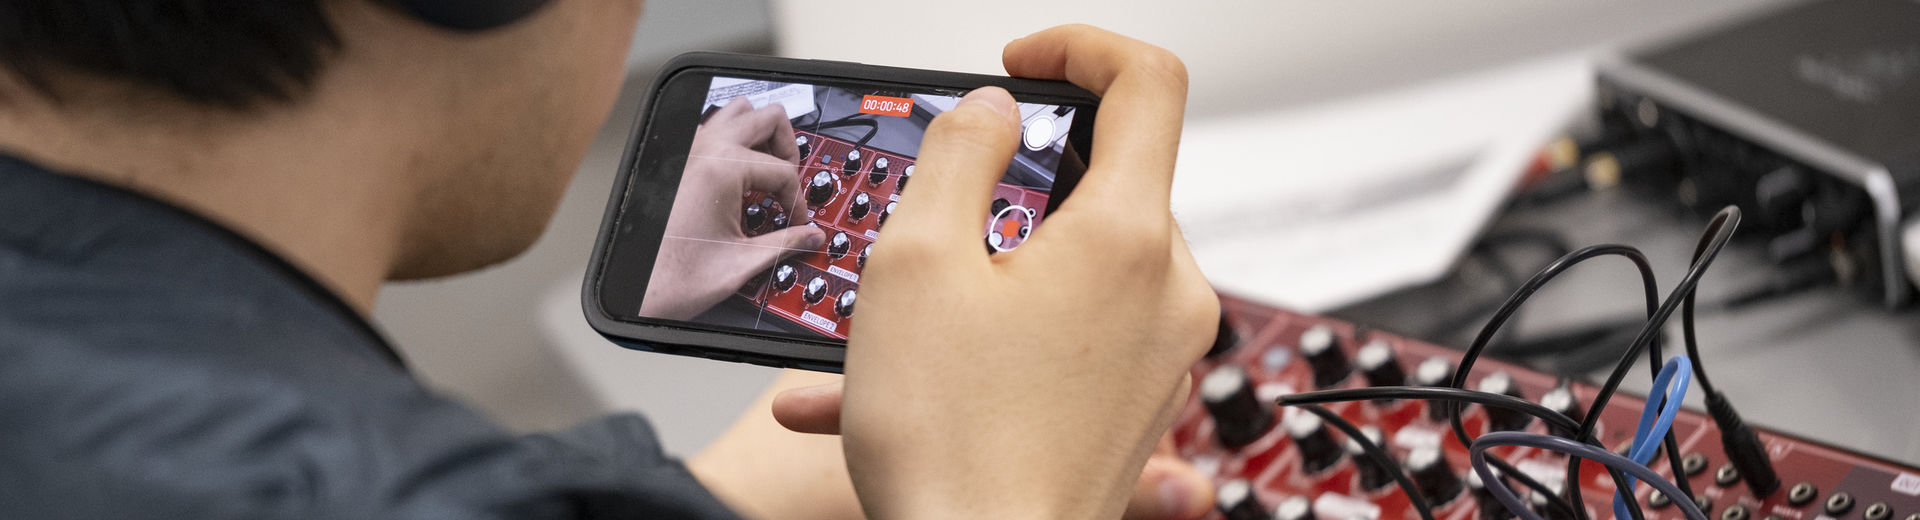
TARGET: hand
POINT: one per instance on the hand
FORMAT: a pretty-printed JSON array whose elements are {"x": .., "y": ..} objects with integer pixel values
[
  {"x": 704, "y": 256},
  {"x": 1032, "y": 383},
  {"x": 1168, "y": 488}
]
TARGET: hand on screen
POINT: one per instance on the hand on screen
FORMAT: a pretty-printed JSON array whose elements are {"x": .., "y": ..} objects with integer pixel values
[
  {"x": 1032, "y": 383},
  {"x": 704, "y": 255}
]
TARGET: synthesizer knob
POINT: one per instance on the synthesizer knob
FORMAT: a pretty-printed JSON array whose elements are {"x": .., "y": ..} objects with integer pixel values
[
  {"x": 900, "y": 184},
  {"x": 754, "y": 217},
  {"x": 864, "y": 252},
  {"x": 1544, "y": 506},
  {"x": 860, "y": 206},
  {"x": 1225, "y": 338},
  {"x": 1317, "y": 449},
  {"x": 1560, "y": 399},
  {"x": 1432, "y": 476},
  {"x": 816, "y": 290},
  {"x": 780, "y": 221},
  {"x": 1294, "y": 508},
  {"x": 1373, "y": 477},
  {"x": 838, "y": 246},
  {"x": 1503, "y": 419},
  {"x": 843, "y": 305},
  {"x": 820, "y": 189},
  {"x": 1238, "y": 416},
  {"x": 1237, "y": 501},
  {"x": 884, "y": 212},
  {"x": 1435, "y": 371},
  {"x": 852, "y": 165},
  {"x": 805, "y": 146},
  {"x": 1378, "y": 363},
  {"x": 879, "y": 172},
  {"x": 1322, "y": 349},
  {"x": 1490, "y": 507},
  {"x": 784, "y": 276},
  {"x": 999, "y": 205}
]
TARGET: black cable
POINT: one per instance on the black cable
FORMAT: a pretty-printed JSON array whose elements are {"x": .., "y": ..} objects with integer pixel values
[
  {"x": 1520, "y": 297},
  {"x": 1512, "y": 305},
  {"x": 1719, "y": 231},
  {"x": 1378, "y": 455},
  {"x": 873, "y": 127},
  {"x": 1451, "y": 395},
  {"x": 1738, "y": 441}
]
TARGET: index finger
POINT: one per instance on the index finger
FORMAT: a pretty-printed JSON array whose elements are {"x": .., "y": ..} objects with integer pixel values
[
  {"x": 1143, "y": 91},
  {"x": 765, "y": 128}
]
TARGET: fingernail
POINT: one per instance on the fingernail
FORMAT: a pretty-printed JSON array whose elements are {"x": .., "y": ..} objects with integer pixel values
[
  {"x": 1175, "y": 493},
  {"x": 995, "y": 98}
]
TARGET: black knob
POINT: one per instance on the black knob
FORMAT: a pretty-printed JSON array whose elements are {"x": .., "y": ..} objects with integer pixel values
[
  {"x": 1490, "y": 508},
  {"x": 884, "y": 212},
  {"x": 1317, "y": 449},
  {"x": 1322, "y": 348},
  {"x": 1372, "y": 476},
  {"x": 999, "y": 205},
  {"x": 859, "y": 208},
  {"x": 838, "y": 246},
  {"x": 843, "y": 305},
  {"x": 801, "y": 142},
  {"x": 864, "y": 252},
  {"x": 816, "y": 290},
  {"x": 1432, "y": 476},
  {"x": 1238, "y": 415},
  {"x": 784, "y": 276},
  {"x": 1503, "y": 419},
  {"x": 1294, "y": 508},
  {"x": 820, "y": 189},
  {"x": 1237, "y": 501},
  {"x": 852, "y": 165},
  {"x": 1560, "y": 399},
  {"x": 1435, "y": 371},
  {"x": 1225, "y": 338},
  {"x": 879, "y": 172},
  {"x": 900, "y": 184},
  {"x": 754, "y": 217},
  {"x": 1379, "y": 364},
  {"x": 1544, "y": 506}
]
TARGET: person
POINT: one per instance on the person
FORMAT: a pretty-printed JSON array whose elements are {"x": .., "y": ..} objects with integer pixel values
[{"x": 198, "y": 208}]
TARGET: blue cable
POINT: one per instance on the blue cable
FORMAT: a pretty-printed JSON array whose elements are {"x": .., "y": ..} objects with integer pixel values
[{"x": 1646, "y": 437}]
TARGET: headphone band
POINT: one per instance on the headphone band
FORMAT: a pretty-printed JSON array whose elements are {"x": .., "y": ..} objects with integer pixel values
[{"x": 470, "y": 15}]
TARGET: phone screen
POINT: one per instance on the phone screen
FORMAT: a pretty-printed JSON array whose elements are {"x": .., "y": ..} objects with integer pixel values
[{"x": 769, "y": 157}]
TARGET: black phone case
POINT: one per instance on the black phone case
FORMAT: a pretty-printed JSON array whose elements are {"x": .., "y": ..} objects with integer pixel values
[{"x": 741, "y": 347}]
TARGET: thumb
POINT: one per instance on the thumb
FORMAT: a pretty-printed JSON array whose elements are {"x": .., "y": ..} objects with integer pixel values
[
  {"x": 963, "y": 154},
  {"x": 1170, "y": 489},
  {"x": 810, "y": 409}
]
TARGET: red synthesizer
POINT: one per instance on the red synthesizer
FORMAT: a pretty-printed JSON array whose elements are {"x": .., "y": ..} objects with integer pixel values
[
  {"x": 1286, "y": 464},
  {"x": 850, "y": 190}
]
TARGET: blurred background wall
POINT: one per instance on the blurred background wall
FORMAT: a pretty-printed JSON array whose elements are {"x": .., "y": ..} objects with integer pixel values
[{"x": 509, "y": 339}]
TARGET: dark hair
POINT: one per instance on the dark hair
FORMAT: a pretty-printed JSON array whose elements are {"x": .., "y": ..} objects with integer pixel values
[{"x": 231, "y": 53}]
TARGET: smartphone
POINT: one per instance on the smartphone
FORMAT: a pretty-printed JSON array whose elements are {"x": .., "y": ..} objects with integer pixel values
[{"x": 733, "y": 151}]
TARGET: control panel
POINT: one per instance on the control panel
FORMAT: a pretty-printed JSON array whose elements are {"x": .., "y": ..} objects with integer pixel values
[
  {"x": 1279, "y": 462},
  {"x": 850, "y": 190}
]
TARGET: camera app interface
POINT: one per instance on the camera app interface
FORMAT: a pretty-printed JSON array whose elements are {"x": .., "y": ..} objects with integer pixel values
[{"x": 772, "y": 160}]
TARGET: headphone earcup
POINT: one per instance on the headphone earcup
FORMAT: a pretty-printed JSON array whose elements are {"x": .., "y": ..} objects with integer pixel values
[{"x": 470, "y": 15}]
